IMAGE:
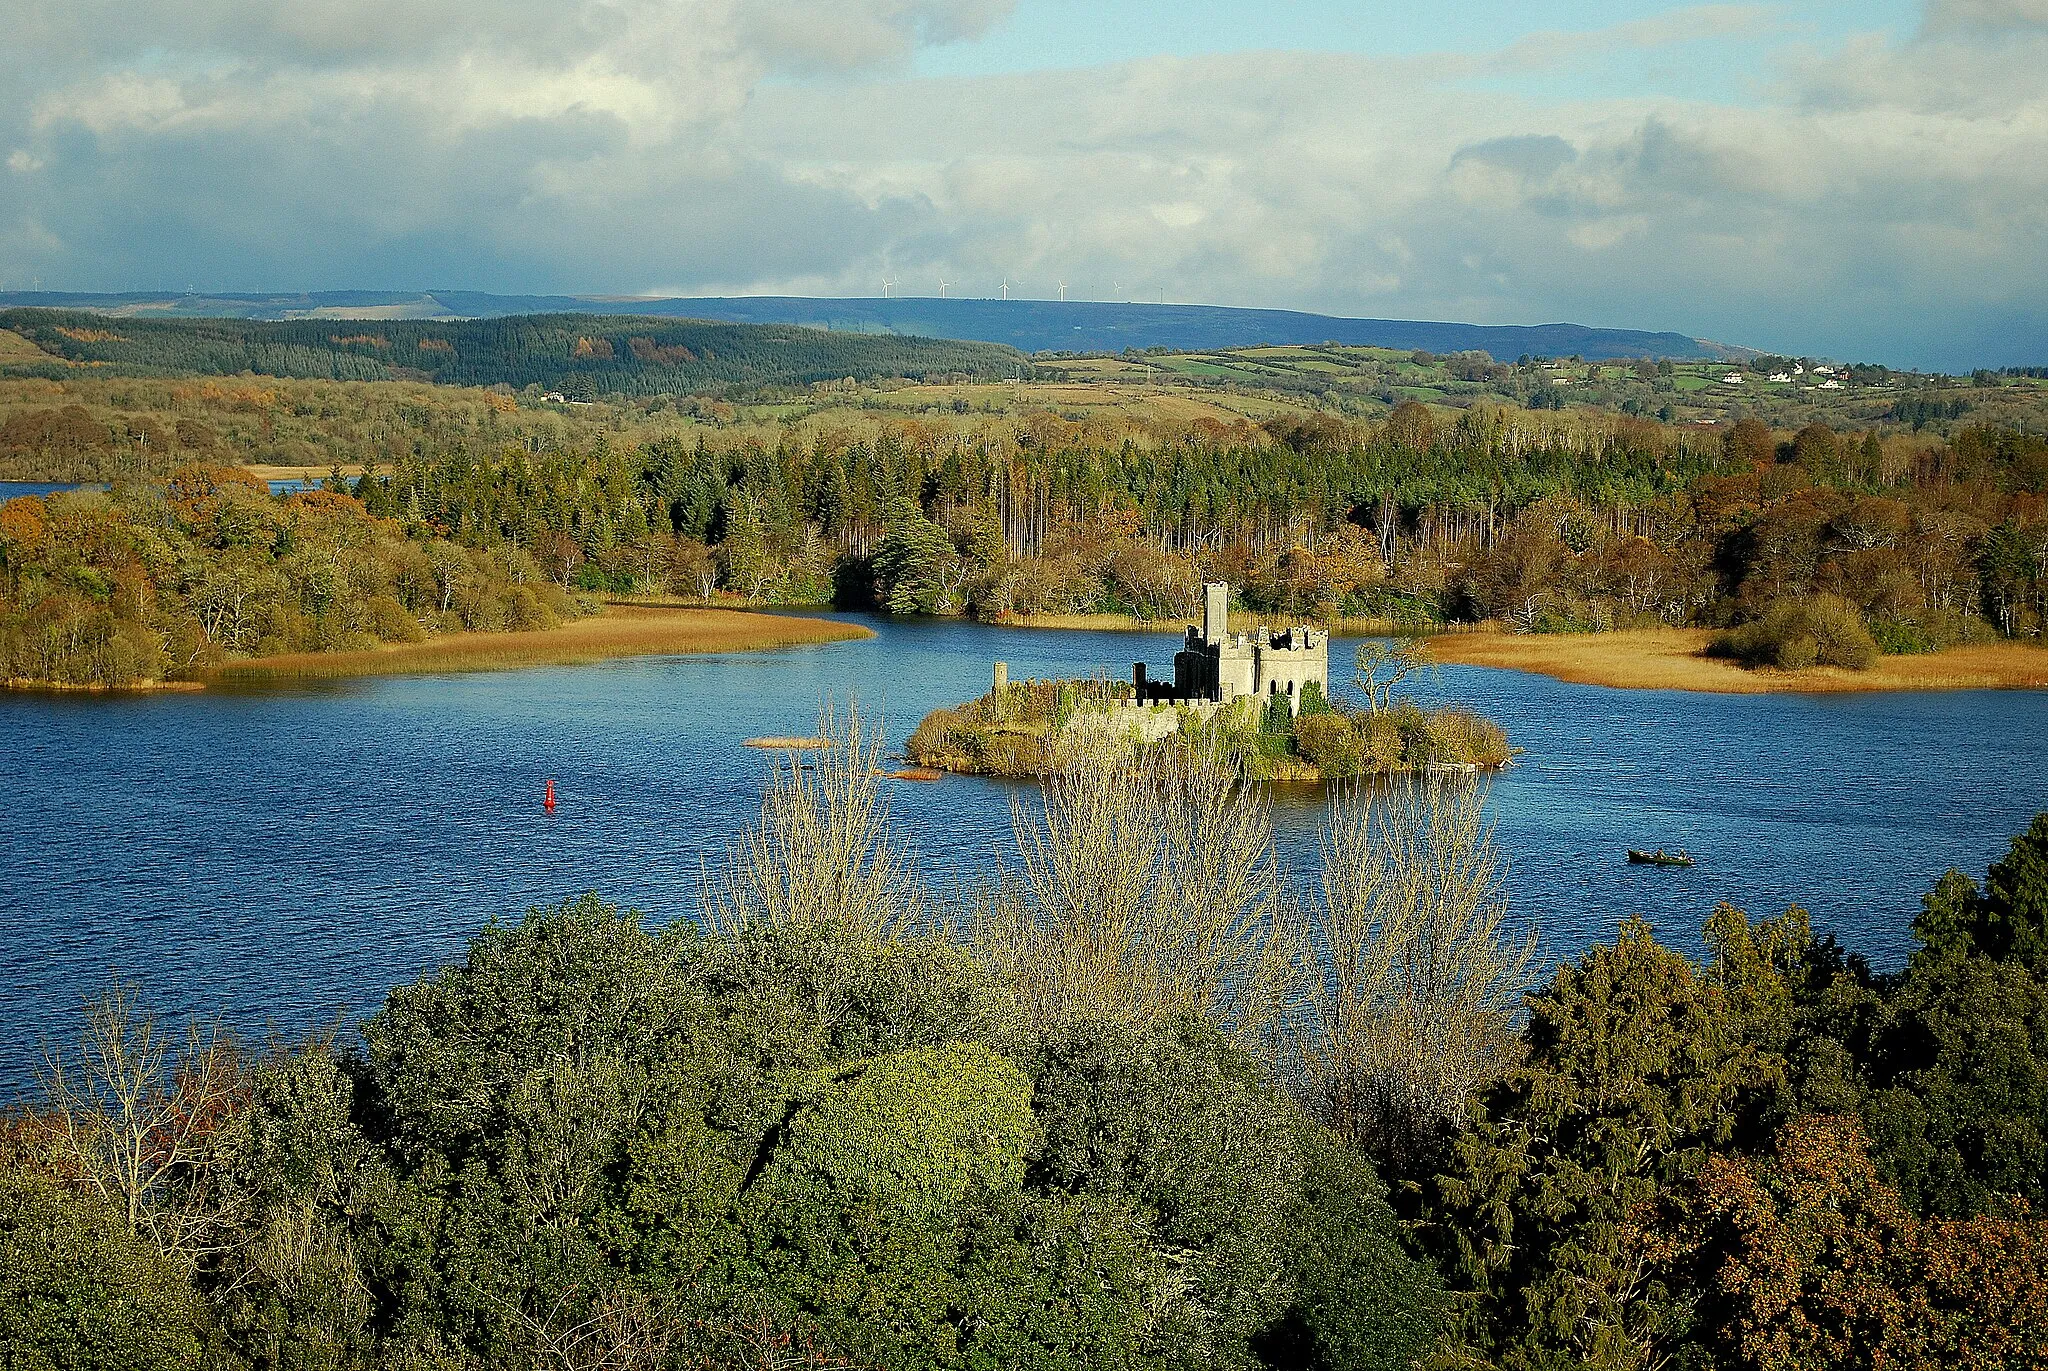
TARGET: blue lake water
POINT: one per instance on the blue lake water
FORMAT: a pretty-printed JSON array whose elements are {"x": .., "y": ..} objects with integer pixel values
[
  {"x": 280, "y": 857},
  {"x": 10, "y": 490}
]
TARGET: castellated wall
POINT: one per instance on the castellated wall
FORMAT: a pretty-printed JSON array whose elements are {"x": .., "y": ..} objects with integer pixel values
[{"x": 1219, "y": 666}]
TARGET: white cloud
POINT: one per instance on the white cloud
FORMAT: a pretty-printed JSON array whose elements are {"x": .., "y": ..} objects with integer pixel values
[{"x": 1884, "y": 199}]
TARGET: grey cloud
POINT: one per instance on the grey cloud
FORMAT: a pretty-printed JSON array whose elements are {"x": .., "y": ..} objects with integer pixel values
[
  {"x": 1868, "y": 209},
  {"x": 1532, "y": 155},
  {"x": 1985, "y": 16}
]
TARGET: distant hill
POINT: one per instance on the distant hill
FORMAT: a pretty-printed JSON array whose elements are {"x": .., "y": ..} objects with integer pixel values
[
  {"x": 580, "y": 355},
  {"x": 1028, "y": 325}
]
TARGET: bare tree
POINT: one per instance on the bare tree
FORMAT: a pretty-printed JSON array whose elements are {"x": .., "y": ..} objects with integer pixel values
[
  {"x": 822, "y": 855},
  {"x": 1415, "y": 978},
  {"x": 756, "y": 1340},
  {"x": 1149, "y": 889},
  {"x": 572, "y": 1329},
  {"x": 617, "y": 1330},
  {"x": 144, "y": 1128},
  {"x": 1383, "y": 665}
]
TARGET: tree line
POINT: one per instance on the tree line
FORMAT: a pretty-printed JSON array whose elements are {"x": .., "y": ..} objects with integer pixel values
[
  {"x": 1132, "y": 1103},
  {"x": 169, "y": 579},
  {"x": 580, "y": 355},
  {"x": 1545, "y": 526},
  {"x": 1813, "y": 546}
]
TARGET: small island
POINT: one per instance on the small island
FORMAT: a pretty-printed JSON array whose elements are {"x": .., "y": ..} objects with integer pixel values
[{"x": 1260, "y": 699}]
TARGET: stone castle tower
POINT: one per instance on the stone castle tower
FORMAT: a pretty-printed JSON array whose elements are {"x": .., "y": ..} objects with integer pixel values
[{"x": 1215, "y": 666}]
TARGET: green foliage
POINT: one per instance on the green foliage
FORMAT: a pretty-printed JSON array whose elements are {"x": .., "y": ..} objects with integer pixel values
[
  {"x": 789, "y": 497},
  {"x": 595, "y": 1143},
  {"x": 79, "y": 1292},
  {"x": 1639, "y": 1065},
  {"x": 1361, "y": 1302},
  {"x": 289, "y": 1290},
  {"x": 916, "y": 567},
  {"x": 1825, "y": 630},
  {"x": 1959, "y": 1068},
  {"x": 1332, "y": 742},
  {"x": 171, "y": 578},
  {"x": 580, "y": 355},
  {"x": 1178, "y": 1125},
  {"x": 2007, "y": 922},
  {"x": 883, "y": 1171},
  {"x": 912, "y": 1132}
]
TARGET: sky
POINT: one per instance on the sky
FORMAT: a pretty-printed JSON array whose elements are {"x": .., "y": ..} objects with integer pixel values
[{"x": 1864, "y": 181}]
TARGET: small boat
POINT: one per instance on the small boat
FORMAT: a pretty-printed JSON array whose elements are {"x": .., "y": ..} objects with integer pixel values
[{"x": 1660, "y": 857}]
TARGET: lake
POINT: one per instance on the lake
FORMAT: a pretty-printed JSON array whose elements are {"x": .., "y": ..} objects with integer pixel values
[
  {"x": 11, "y": 489},
  {"x": 281, "y": 856}
]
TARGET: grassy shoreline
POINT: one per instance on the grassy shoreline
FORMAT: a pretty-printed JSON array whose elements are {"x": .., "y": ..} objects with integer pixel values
[
  {"x": 1674, "y": 659},
  {"x": 618, "y": 631}
]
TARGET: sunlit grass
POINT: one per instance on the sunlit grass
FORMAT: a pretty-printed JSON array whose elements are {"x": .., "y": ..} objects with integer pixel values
[
  {"x": 620, "y": 631},
  {"x": 1672, "y": 659}
]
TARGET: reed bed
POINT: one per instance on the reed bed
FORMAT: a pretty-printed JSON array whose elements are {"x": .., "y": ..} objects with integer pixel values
[
  {"x": 619, "y": 631},
  {"x": 1674, "y": 659}
]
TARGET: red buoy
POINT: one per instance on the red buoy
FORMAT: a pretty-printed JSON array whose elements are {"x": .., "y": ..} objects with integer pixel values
[{"x": 548, "y": 801}]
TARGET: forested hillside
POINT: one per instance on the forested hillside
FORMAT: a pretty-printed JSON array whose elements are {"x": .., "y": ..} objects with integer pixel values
[
  {"x": 1032, "y": 325},
  {"x": 578, "y": 355},
  {"x": 1815, "y": 545},
  {"x": 1544, "y": 526},
  {"x": 1785, "y": 392},
  {"x": 166, "y": 580}
]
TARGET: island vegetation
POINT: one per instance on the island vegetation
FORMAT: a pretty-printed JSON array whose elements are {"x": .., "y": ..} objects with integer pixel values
[
  {"x": 1131, "y": 1103},
  {"x": 1034, "y": 728}
]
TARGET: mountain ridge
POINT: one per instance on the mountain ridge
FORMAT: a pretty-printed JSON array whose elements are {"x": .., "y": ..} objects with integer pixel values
[{"x": 1032, "y": 326}]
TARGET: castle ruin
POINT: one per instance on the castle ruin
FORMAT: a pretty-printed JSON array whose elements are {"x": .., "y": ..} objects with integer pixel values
[{"x": 1215, "y": 667}]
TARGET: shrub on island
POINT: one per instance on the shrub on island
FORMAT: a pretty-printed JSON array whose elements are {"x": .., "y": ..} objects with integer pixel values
[{"x": 1030, "y": 728}]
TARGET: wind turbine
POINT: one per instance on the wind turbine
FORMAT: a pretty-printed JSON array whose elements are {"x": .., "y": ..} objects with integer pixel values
[
  {"x": 1006, "y": 287},
  {"x": 1120, "y": 289},
  {"x": 1063, "y": 292},
  {"x": 943, "y": 283},
  {"x": 888, "y": 288}
]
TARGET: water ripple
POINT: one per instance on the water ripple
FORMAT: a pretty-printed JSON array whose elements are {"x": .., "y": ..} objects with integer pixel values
[{"x": 279, "y": 858}]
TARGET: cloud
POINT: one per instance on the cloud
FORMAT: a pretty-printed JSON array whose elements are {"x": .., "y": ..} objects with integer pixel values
[
  {"x": 1556, "y": 47},
  {"x": 1986, "y": 16},
  {"x": 1881, "y": 198}
]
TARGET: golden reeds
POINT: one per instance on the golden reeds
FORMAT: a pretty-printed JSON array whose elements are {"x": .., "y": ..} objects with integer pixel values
[
  {"x": 620, "y": 631},
  {"x": 1673, "y": 659}
]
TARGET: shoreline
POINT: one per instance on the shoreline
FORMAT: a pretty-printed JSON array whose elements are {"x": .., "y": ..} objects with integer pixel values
[
  {"x": 1672, "y": 659},
  {"x": 1240, "y": 621},
  {"x": 617, "y": 631},
  {"x": 29, "y": 686}
]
